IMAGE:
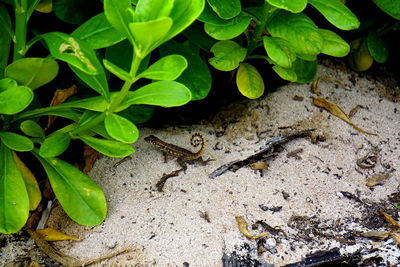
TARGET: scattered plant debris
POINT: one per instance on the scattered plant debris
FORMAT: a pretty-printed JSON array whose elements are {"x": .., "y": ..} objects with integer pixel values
[
  {"x": 394, "y": 232},
  {"x": 338, "y": 112},
  {"x": 266, "y": 151},
  {"x": 377, "y": 179},
  {"x": 314, "y": 84},
  {"x": 369, "y": 161},
  {"x": 243, "y": 228}
]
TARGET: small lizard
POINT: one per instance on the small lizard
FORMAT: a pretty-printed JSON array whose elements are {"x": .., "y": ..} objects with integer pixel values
[{"x": 183, "y": 155}]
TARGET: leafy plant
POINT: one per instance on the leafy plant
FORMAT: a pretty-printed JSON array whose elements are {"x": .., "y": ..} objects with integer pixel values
[
  {"x": 98, "y": 121},
  {"x": 370, "y": 45},
  {"x": 276, "y": 31}
]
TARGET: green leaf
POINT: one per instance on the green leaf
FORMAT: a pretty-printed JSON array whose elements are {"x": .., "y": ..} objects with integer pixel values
[
  {"x": 16, "y": 142},
  {"x": 292, "y": 6},
  {"x": 167, "y": 68},
  {"x": 81, "y": 198},
  {"x": 197, "y": 35},
  {"x": 377, "y": 47},
  {"x": 226, "y": 9},
  {"x": 279, "y": 51},
  {"x": 7, "y": 83},
  {"x": 32, "y": 72},
  {"x": 227, "y": 55},
  {"x": 148, "y": 35},
  {"x": 71, "y": 50},
  {"x": 118, "y": 16},
  {"x": 31, "y": 128},
  {"x": 96, "y": 82},
  {"x": 14, "y": 208},
  {"x": 15, "y": 99},
  {"x": 197, "y": 76},
  {"x": 121, "y": 129},
  {"x": 360, "y": 58},
  {"x": 285, "y": 73},
  {"x": 299, "y": 30},
  {"x": 138, "y": 113},
  {"x": 54, "y": 145},
  {"x": 160, "y": 93},
  {"x": 336, "y": 13},
  {"x": 184, "y": 13},
  {"x": 31, "y": 185},
  {"x": 152, "y": 9},
  {"x": 98, "y": 33},
  {"x": 6, "y": 34},
  {"x": 305, "y": 70},
  {"x": 117, "y": 71},
  {"x": 76, "y": 11},
  {"x": 390, "y": 7},
  {"x": 229, "y": 29},
  {"x": 109, "y": 148},
  {"x": 249, "y": 81},
  {"x": 333, "y": 44}
]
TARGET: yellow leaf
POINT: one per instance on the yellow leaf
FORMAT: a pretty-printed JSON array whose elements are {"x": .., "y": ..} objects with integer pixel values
[
  {"x": 377, "y": 179},
  {"x": 50, "y": 234},
  {"x": 338, "y": 112},
  {"x": 31, "y": 184},
  {"x": 376, "y": 234},
  {"x": 243, "y": 228},
  {"x": 390, "y": 219},
  {"x": 396, "y": 237},
  {"x": 249, "y": 81},
  {"x": 44, "y": 6}
]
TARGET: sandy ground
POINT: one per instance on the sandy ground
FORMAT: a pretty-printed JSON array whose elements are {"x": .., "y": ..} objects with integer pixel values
[{"x": 315, "y": 200}]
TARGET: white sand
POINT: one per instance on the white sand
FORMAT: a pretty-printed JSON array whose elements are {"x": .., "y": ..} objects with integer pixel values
[{"x": 166, "y": 229}]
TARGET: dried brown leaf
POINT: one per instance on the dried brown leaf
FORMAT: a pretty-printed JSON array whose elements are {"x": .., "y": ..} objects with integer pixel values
[
  {"x": 377, "y": 179},
  {"x": 314, "y": 84},
  {"x": 50, "y": 234},
  {"x": 390, "y": 219},
  {"x": 243, "y": 228},
  {"x": 337, "y": 111},
  {"x": 376, "y": 234},
  {"x": 59, "y": 97},
  {"x": 396, "y": 237},
  {"x": 89, "y": 156}
]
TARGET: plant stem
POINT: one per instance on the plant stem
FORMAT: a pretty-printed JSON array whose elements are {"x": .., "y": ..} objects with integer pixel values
[{"x": 21, "y": 21}]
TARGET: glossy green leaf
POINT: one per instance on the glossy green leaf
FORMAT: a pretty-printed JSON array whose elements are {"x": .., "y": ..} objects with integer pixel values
[
  {"x": 16, "y": 142},
  {"x": 117, "y": 14},
  {"x": 54, "y": 145},
  {"x": 184, "y": 13},
  {"x": 299, "y": 30},
  {"x": 15, "y": 99},
  {"x": 81, "y": 198},
  {"x": 32, "y": 72},
  {"x": 121, "y": 129},
  {"x": 150, "y": 34},
  {"x": 71, "y": 50},
  {"x": 14, "y": 208},
  {"x": 390, "y": 7},
  {"x": 31, "y": 185},
  {"x": 305, "y": 70},
  {"x": 6, "y": 34},
  {"x": 109, "y": 148},
  {"x": 76, "y": 11},
  {"x": 96, "y": 82},
  {"x": 230, "y": 28},
  {"x": 160, "y": 93},
  {"x": 7, "y": 84},
  {"x": 285, "y": 73},
  {"x": 98, "y": 33},
  {"x": 117, "y": 71},
  {"x": 31, "y": 128},
  {"x": 197, "y": 35},
  {"x": 279, "y": 51},
  {"x": 138, "y": 113},
  {"x": 377, "y": 47},
  {"x": 333, "y": 44},
  {"x": 167, "y": 68},
  {"x": 336, "y": 13},
  {"x": 197, "y": 76},
  {"x": 249, "y": 81},
  {"x": 292, "y": 6},
  {"x": 227, "y": 55},
  {"x": 226, "y": 9},
  {"x": 209, "y": 16},
  {"x": 147, "y": 10}
]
